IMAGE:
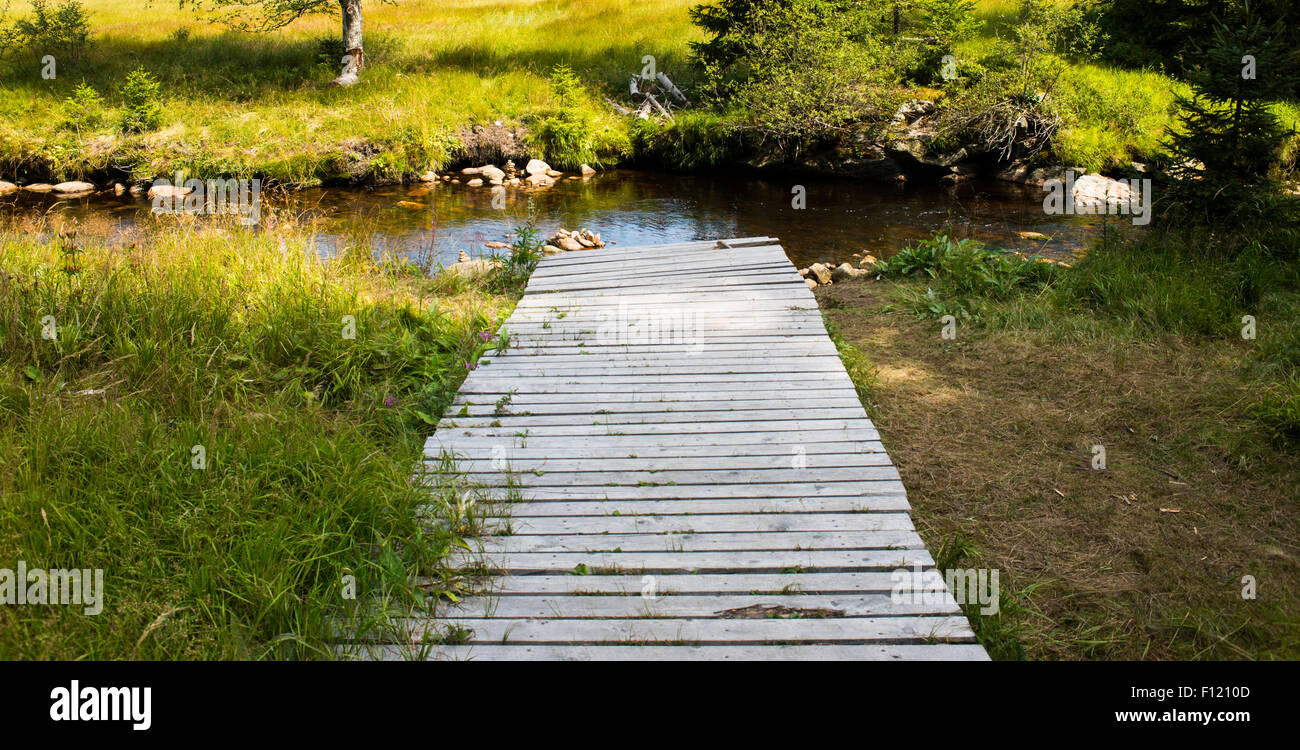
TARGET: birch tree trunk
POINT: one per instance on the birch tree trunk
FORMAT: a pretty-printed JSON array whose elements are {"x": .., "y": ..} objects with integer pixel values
[{"x": 353, "y": 54}]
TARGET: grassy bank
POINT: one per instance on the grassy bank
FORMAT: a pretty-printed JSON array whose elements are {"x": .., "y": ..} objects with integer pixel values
[
  {"x": 227, "y": 427},
  {"x": 258, "y": 105},
  {"x": 1137, "y": 349},
  {"x": 245, "y": 105}
]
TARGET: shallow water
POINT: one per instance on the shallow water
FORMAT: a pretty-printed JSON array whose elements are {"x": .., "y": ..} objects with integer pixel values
[{"x": 628, "y": 207}]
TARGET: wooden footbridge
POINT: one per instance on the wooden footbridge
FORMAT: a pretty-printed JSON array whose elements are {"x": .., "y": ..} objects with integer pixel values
[{"x": 701, "y": 479}]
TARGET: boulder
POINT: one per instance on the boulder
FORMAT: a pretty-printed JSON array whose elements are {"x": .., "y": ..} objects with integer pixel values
[
  {"x": 586, "y": 170},
  {"x": 470, "y": 170},
  {"x": 845, "y": 271},
  {"x": 74, "y": 186},
  {"x": 492, "y": 174},
  {"x": 475, "y": 182},
  {"x": 914, "y": 110},
  {"x": 803, "y": 272},
  {"x": 167, "y": 191},
  {"x": 819, "y": 273},
  {"x": 868, "y": 261},
  {"x": 38, "y": 187},
  {"x": 429, "y": 176},
  {"x": 554, "y": 174},
  {"x": 7, "y": 187},
  {"x": 568, "y": 243},
  {"x": 811, "y": 284},
  {"x": 119, "y": 188},
  {"x": 472, "y": 268},
  {"x": 536, "y": 167},
  {"x": 539, "y": 180}
]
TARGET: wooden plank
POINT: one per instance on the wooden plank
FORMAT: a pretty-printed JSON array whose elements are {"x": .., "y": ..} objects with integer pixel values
[
  {"x": 771, "y": 561},
  {"x": 949, "y": 629},
  {"x": 753, "y": 522},
  {"x": 691, "y": 606},
  {"x": 858, "y": 582},
  {"x": 700, "y": 542},
  {"x": 882, "y": 502},
  {"x": 780, "y": 652}
]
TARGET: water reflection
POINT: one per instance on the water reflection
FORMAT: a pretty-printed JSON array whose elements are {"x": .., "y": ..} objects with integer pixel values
[{"x": 631, "y": 208}]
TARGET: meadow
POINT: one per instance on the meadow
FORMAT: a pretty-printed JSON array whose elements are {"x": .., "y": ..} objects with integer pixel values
[
  {"x": 228, "y": 427},
  {"x": 248, "y": 105}
]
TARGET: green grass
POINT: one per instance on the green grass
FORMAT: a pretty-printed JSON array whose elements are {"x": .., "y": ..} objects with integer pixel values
[
  {"x": 238, "y": 344},
  {"x": 258, "y": 105},
  {"x": 1138, "y": 347},
  {"x": 242, "y": 104}
]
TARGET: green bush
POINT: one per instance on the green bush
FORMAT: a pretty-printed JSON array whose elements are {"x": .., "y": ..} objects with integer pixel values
[
  {"x": 83, "y": 110},
  {"x": 566, "y": 134},
  {"x": 63, "y": 32},
  {"x": 794, "y": 70},
  {"x": 141, "y": 110},
  {"x": 1279, "y": 411}
]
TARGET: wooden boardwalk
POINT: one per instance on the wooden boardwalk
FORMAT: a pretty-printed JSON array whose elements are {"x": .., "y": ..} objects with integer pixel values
[{"x": 702, "y": 481}]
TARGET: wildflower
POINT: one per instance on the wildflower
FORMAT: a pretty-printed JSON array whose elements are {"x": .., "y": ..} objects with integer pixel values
[{"x": 390, "y": 401}]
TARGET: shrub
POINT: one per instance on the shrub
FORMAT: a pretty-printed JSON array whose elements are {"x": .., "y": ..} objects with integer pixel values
[
  {"x": 63, "y": 32},
  {"x": 84, "y": 109},
  {"x": 141, "y": 110},
  {"x": 796, "y": 70},
  {"x": 567, "y": 134}
]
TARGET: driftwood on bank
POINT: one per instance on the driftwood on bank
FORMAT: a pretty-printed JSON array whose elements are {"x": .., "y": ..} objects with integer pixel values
[{"x": 652, "y": 94}]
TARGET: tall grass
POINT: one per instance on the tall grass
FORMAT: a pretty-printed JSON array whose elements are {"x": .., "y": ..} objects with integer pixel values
[{"x": 206, "y": 430}]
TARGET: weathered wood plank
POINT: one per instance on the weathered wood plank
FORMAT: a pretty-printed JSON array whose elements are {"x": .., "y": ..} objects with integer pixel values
[{"x": 774, "y": 652}]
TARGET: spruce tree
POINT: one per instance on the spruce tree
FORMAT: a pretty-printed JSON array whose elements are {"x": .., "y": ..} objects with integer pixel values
[{"x": 1226, "y": 149}]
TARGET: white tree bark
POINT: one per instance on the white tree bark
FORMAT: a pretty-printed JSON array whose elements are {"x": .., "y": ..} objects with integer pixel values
[{"x": 353, "y": 54}]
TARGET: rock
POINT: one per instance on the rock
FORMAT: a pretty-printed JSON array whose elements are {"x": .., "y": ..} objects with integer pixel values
[
  {"x": 584, "y": 241},
  {"x": 496, "y": 245},
  {"x": 568, "y": 243},
  {"x": 513, "y": 181},
  {"x": 554, "y": 174},
  {"x": 475, "y": 182},
  {"x": 803, "y": 272},
  {"x": 472, "y": 268},
  {"x": 429, "y": 176},
  {"x": 539, "y": 180},
  {"x": 811, "y": 284},
  {"x": 844, "y": 272},
  {"x": 7, "y": 187},
  {"x": 492, "y": 174},
  {"x": 38, "y": 187},
  {"x": 586, "y": 170},
  {"x": 464, "y": 257},
  {"x": 74, "y": 186},
  {"x": 536, "y": 167},
  {"x": 166, "y": 191},
  {"x": 510, "y": 168},
  {"x": 819, "y": 273},
  {"x": 470, "y": 170},
  {"x": 914, "y": 110},
  {"x": 1032, "y": 236},
  {"x": 868, "y": 261},
  {"x": 119, "y": 188},
  {"x": 138, "y": 190},
  {"x": 411, "y": 204}
]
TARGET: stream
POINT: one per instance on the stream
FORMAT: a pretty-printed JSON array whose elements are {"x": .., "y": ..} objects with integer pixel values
[{"x": 435, "y": 221}]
